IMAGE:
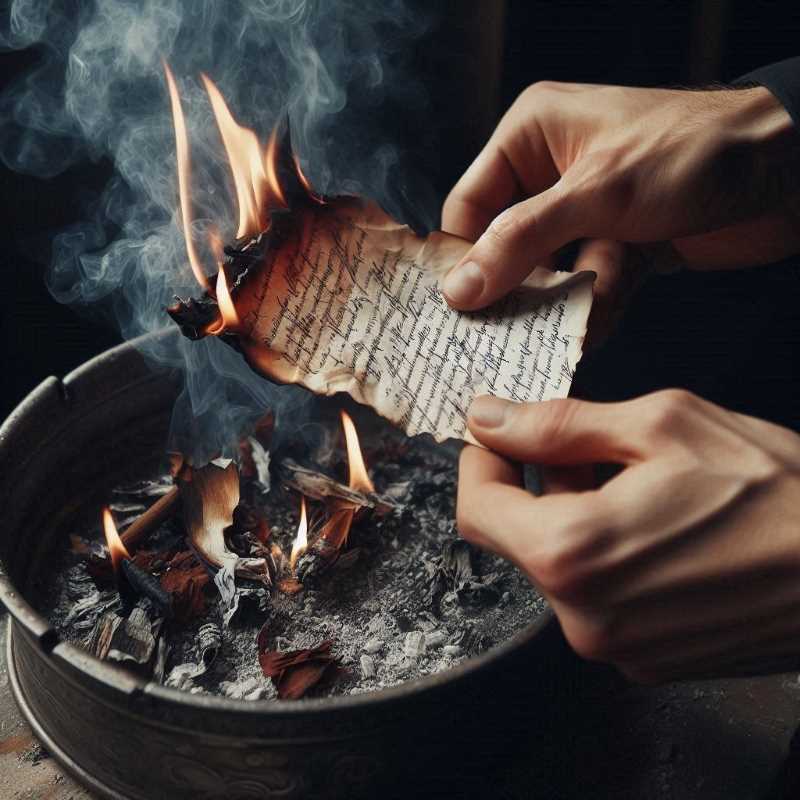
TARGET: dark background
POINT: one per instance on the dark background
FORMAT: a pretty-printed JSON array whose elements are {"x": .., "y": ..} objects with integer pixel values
[{"x": 729, "y": 336}]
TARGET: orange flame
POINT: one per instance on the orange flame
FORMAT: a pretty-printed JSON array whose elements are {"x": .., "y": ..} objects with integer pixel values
[
  {"x": 305, "y": 182},
  {"x": 270, "y": 163},
  {"x": 253, "y": 175},
  {"x": 116, "y": 548},
  {"x": 301, "y": 540},
  {"x": 184, "y": 177},
  {"x": 337, "y": 529},
  {"x": 217, "y": 249},
  {"x": 358, "y": 476},
  {"x": 228, "y": 316}
]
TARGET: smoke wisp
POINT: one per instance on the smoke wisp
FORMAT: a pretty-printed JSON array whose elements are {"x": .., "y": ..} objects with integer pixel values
[{"x": 340, "y": 69}]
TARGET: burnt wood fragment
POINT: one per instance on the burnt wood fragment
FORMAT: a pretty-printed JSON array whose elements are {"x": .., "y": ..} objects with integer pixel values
[
  {"x": 319, "y": 486},
  {"x": 135, "y": 583}
]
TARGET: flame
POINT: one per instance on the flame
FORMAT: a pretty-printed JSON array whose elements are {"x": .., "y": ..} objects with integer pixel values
[
  {"x": 301, "y": 540},
  {"x": 305, "y": 182},
  {"x": 217, "y": 248},
  {"x": 184, "y": 177},
  {"x": 270, "y": 164},
  {"x": 116, "y": 548},
  {"x": 254, "y": 176},
  {"x": 337, "y": 529},
  {"x": 358, "y": 476},
  {"x": 228, "y": 316}
]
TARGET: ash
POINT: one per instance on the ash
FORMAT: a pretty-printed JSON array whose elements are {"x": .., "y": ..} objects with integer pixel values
[{"x": 407, "y": 598}]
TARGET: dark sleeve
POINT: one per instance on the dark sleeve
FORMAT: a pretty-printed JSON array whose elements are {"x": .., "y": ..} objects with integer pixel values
[{"x": 783, "y": 80}]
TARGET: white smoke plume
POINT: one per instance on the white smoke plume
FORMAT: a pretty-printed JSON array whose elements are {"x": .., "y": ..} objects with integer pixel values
[{"x": 341, "y": 70}]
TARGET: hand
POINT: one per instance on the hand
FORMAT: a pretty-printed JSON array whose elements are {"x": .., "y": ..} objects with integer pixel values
[
  {"x": 685, "y": 564},
  {"x": 709, "y": 175}
]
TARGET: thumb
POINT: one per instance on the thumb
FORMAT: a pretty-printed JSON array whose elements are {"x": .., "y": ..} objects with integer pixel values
[
  {"x": 523, "y": 236},
  {"x": 556, "y": 431}
]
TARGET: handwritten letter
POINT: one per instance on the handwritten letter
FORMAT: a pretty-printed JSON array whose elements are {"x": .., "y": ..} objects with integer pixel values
[{"x": 352, "y": 303}]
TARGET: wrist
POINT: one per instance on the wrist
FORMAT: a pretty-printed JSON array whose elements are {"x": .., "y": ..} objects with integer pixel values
[
  {"x": 760, "y": 148},
  {"x": 759, "y": 119}
]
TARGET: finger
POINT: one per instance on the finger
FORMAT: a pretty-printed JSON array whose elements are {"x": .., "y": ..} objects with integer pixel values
[
  {"x": 486, "y": 188},
  {"x": 516, "y": 161},
  {"x": 495, "y": 513},
  {"x": 479, "y": 468},
  {"x": 558, "y": 431},
  {"x": 514, "y": 243},
  {"x": 605, "y": 258}
]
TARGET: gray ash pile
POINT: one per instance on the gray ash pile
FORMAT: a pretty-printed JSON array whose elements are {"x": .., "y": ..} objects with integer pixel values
[{"x": 270, "y": 578}]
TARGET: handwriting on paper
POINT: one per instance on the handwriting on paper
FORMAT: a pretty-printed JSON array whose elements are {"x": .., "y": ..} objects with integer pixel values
[{"x": 352, "y": 303}]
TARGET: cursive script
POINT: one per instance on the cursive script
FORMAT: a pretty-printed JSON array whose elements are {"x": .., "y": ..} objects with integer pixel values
[{"x": 352, "y": 303}]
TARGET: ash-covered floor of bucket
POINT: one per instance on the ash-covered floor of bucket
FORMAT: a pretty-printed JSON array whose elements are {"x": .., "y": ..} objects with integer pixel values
[{"x": 403, "y": 597}]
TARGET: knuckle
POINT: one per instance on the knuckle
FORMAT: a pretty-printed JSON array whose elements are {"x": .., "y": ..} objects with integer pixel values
[
  {"x": 564, "y": 569},
  {"x": 663, "y": 409},
  {"x": 538, "y": 91},
  {"x": 551, "y": 418},
  {"x": 557, "y": 573},
  {"x": 508, "y": 228},
  {"x": 763, "y": 468}
]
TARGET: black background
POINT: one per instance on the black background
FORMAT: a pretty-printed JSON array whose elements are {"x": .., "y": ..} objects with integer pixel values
[{"x": 729, "y": 336}]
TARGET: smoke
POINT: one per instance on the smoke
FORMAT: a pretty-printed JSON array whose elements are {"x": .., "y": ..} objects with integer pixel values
[{"x": 340, "y": 69}]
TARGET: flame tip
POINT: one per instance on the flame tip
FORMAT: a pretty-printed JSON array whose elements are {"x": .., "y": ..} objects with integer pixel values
[
  {"x": 116, "y": 547},
  {"x": 184, "y": 176},
  {"x": 358, "y": 475},
  {"x": 300, "y": 544}
]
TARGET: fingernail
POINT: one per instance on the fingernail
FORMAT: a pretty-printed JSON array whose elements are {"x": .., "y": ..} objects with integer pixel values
[
  {"x": 463, "y": 284},
  {"x": 488, "y": 411}
]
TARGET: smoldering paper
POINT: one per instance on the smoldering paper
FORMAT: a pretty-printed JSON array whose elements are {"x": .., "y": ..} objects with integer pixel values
[{"x": 350, "y": 302}]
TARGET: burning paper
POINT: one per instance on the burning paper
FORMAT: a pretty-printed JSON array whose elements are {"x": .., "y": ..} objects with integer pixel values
[
  {"x": 338, "y": 297},
  {"x": 210, "y": 495}
]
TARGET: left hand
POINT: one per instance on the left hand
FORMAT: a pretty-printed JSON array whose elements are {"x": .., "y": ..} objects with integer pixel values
[{"x": 686, "y": 564}]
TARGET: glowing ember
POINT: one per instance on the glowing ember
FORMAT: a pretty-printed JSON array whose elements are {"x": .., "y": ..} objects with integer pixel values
[
  {"x": 358, "y": 476},
  {"x": 116, "y": 549},
  {"x": 254, "y": 186},
  {"x": 301, "y": 540},
  {"x": 184, "y": 177}
]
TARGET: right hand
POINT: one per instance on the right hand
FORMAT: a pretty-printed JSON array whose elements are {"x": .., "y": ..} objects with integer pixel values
[
  {"x": 685, "y": 564},
  {"x": 710, "y": 176}
]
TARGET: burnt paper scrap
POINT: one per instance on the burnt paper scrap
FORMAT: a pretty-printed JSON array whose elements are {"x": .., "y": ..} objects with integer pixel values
[
  {"x": 297, "y": 672},
  {"x": 341, "y": 298}
]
